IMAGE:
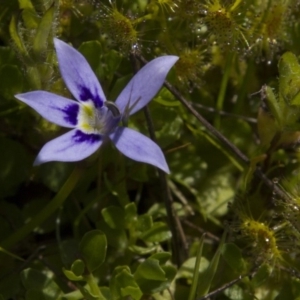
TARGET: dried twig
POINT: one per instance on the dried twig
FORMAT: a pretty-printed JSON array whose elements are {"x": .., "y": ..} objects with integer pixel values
[{"x": 217, "y": 134}]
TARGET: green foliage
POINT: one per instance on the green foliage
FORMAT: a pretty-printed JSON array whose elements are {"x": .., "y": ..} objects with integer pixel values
[{"x": 112, "y": 228}]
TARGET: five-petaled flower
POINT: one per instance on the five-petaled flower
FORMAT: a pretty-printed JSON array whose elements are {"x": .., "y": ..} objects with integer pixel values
[{"x": 91, "y": 117}]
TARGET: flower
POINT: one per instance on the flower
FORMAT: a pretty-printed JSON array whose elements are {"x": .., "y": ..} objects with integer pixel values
[{"x": 91, "y": 117}]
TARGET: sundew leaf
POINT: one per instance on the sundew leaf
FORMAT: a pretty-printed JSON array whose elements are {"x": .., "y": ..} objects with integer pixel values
[{"x": 93, "y": 249}]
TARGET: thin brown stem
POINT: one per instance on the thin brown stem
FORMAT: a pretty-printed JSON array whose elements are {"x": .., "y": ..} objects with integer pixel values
[
  {"x": 223, "y": 288},
  {"x": 226, "y": 143}
]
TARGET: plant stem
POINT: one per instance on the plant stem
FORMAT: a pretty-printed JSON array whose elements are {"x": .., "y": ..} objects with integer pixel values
[
  {"x": 179, "y": 243},
  {"x": 46, "y": 212},
  {"x": 224, "y": 82},
  {"x": 213, "y": 131}
]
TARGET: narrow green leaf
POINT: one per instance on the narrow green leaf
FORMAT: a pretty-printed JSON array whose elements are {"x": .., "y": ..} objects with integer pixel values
[
  {"x": 206, "y": 279},
  {"x": 233, "y": 256},
  {"x": 30, "y": 18},
  {"x": 15, "y": 36},
  {"x": 40, "y": 42},
  {"x": 11, "y": 254},
  {"x": 93, "y": 249},
  {"x": 193, "y": 290},
  {"x": 114, "y": 216}
]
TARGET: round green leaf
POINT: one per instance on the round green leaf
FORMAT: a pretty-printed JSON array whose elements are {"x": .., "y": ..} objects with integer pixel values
[
  {"x": 159, "y": 232},
  {"x": 233, "y": 256},
  {"x": 93, "y": 249},
  {"x": 78, "y": 267}
]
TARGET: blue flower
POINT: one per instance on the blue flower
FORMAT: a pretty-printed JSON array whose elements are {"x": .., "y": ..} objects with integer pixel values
[{"x": 91, "y": 117}]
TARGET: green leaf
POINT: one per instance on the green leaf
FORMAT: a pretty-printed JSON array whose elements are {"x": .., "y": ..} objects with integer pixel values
[
  {"x": 30, "y": 18},
  {"x": 40, "y": 284},
  {"x": 92, "y": 51},
  {"x": 196, "y": 270},
  {"x": 11, "y": 82},
  {"x": 116, "y": 238},
  {"x": 159, "y": 232},
  {"x": 15, "y": 36},
  {"x": 289, "y": 79},
  {"x": 130, "y": 213},
  {"x": 142, "y": 250},
  {"x": 40, "y": 42},
  {"x": 205, "y": 280},
  {"x": 71, "y": 276},
  {"x": 123, "y": 284},
  {"x": 150, "y": 269},
  {"x": 55, "y": 174},
  {"x": 13, "y": 155},
  {"x": 93, "y": 249},
  {"x": 114, "y": 216},
  {"x": 144, "y": 223},
  {"x": 162, "y": 257},
  {"x": 261, "y": 275},
  {"x": 233, "y": 256},
  {"x": 69, "y": 252},
  {"x": 78, "y": 267},
  {"x": 154, "y": 286}
]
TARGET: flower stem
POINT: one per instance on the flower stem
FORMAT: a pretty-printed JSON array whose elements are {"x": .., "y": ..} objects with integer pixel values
[
  {"x": 223, "y": 87},
  {"x": 46, "y": 212}
]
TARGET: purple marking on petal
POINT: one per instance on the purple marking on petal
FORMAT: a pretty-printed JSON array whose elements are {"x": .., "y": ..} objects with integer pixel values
[
  {"x": 80, "y": 137},
  {"x": 85, "y": 94},
  {"x": 71, "y": 112}
]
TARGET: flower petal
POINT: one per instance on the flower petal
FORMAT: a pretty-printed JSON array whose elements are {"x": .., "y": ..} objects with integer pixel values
[
  {"x": 139, "y": 147},
  {"x": 78, "y": 75},
  {"x": 71, "y": 146},
  {"x": 145, "y": 84},
  {"x": 54, "y": 108}
]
